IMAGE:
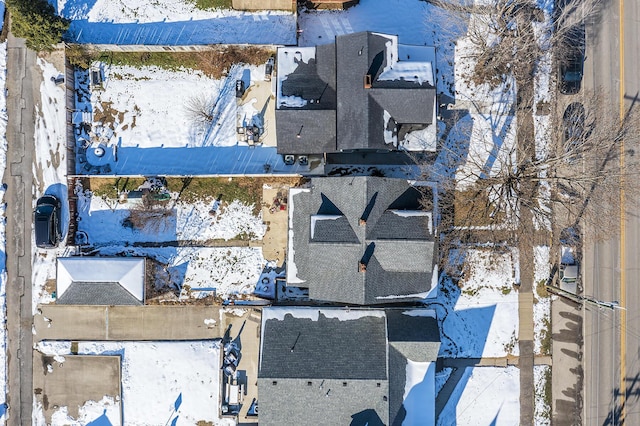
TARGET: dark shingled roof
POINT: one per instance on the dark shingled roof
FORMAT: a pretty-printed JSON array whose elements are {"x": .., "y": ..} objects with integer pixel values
[
  {"x": 396, "y": 245},
  {"x": 334, "y": 81},
  {"x": 97, "y": 293},
  {"x": 341, "y": 371},
  {"x": 322, "y": 349}
]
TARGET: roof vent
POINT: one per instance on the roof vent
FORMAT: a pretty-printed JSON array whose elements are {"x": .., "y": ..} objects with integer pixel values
[{"x": 367, "y": 81}]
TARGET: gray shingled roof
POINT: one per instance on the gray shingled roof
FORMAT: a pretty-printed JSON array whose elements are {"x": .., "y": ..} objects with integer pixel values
[
  {"x": 322, "y": 348},
  {"x": 334, "y": 81},
  {"x": 315, "y": 383},
  {"x": 398, "y": 249},
  {"x": 97, "y": 293},
  {"x": 295, "y": 402}
]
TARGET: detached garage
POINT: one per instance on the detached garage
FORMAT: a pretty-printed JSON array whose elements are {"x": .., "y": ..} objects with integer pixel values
[{"x": 100, "y": 280}]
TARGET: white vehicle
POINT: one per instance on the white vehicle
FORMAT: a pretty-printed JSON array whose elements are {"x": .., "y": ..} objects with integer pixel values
[{"x": 569, "y": 270}]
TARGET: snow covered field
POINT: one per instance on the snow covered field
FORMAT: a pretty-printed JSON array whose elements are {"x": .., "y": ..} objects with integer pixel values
[
  {"x": 156, "y": 378},
  {"x": 479, "y": 317},
  {"x": 143, "y": 118},
  {"x": 171, "y": 22},
  {"x": 104, "y": 222},
  {"x": 484, "y": 396}
]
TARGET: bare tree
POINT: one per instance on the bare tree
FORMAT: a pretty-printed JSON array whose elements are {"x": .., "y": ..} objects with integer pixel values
[
  {"x": 199, "y": 108},
  {"x": 499, "y": 193},
  {"x": 514, "y": 189}
]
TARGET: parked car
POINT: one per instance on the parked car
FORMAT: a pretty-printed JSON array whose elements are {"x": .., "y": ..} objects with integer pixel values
[
  {"x": 573, "y": 131},
  {"x": 47, "y": 225},
  {"x": 572, "y": 61},
  {"x": 569, "y": 270}
]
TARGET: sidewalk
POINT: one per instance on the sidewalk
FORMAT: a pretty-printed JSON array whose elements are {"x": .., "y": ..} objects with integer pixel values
[
  {"x": 567, "y": 372},
  {"x": 60, "y": 322}
]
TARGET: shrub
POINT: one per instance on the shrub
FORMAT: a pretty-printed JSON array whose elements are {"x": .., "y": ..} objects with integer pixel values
[{"x": 37, "y": 21}]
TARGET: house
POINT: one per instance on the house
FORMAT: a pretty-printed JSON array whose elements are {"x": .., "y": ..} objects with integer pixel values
[
  {"x": 361, "y": 240},
  {"x": 100, "y": 280},
  {"x": 363, "y": 92},
  {"x": 347, "y": 366}
]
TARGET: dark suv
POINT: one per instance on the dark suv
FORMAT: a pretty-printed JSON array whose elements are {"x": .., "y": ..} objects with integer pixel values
[
  {"x": 572, "y": 61},
  {"x": 47, "y": 222}
]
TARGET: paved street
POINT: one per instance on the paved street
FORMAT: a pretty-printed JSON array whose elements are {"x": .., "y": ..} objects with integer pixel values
[
  {"x": 612, "y": 337},
  {"x": 22, "y": 78}
]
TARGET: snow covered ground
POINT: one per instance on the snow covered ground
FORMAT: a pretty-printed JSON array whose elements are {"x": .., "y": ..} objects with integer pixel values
[
  {"x": 542, "y": 304},
  {"x": 171, "y": 22},
  {"x": 143, "y": 119},
  {"x": 156, "y": 378},
  {"x": 479, "y": 317},
  {"x": 484, "y": 396},
  {"x": 542, "y": 409},
  {"x": 104, "y": 221}
]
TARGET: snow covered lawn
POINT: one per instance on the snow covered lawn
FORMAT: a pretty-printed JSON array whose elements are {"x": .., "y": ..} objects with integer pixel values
[
  {"x": 107, "y": 221},
  {"x": 484, "y": 396},
  {"x": 156, "y": 378},
  {"x": 171, "y": 22},
  {"x": 143, "y": 121},
  {"x": 480, "y": 317}
]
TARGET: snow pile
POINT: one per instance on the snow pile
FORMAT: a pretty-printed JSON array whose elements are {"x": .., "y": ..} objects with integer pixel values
[
  {"x": 479, "y": 318},
  {"x": 483, "y": 396},
  {"x": 182, "y": 374}
]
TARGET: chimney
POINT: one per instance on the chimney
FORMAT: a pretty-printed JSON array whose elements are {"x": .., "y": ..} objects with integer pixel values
[
  {"x": 362, "y": 221},
  {"x": 362, "y": 267},
  {"x": 367, "y": 81}
]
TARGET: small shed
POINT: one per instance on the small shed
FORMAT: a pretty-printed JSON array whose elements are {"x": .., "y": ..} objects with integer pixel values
[{"x": 100, "y": 280}]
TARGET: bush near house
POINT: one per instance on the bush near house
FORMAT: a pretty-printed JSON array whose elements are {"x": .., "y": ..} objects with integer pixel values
[
  {"x": 212, "y": 4},
  {"x": 36, "y": 20}
]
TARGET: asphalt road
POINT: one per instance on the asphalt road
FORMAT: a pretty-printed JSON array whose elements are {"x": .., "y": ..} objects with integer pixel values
[
  {"x": 22, "y": 76},
  {"x": 612, "y": 337}
]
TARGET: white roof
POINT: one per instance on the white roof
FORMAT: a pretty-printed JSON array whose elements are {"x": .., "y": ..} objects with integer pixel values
[{"x": 126, "y": 271}]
